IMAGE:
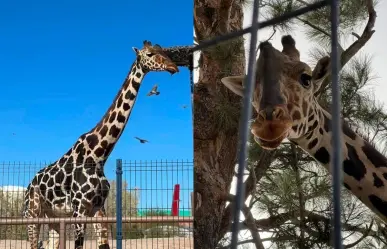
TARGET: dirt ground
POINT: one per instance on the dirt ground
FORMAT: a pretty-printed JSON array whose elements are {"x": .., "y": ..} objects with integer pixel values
[{"x": 165, "y": 243}]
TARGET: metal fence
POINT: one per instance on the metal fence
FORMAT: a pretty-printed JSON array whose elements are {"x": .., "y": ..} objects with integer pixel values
[
  {"x": 140, "y": 215},
  {"x": 247, "y": 108}
]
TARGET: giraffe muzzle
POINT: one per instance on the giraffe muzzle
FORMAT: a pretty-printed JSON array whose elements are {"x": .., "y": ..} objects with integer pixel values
[
  {"x": 271, "y": 144},
  {"x": 269, "y": 134},
  {"x": 172, "y": 69}
]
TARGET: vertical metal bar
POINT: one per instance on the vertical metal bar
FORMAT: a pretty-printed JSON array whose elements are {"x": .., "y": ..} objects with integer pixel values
[
  {"x": 244, "y": 124},
  {"x": 62, "y": 235},
  {"x": 336, "y": 125},
  {"x": 192, "y": 204},
  {"x": 119, "y": 203}
]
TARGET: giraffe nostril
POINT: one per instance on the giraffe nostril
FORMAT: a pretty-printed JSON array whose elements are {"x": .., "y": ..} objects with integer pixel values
[
  {"x": 261, "y": 116},
  {"x": 271, "y": 114},
  {"x": 278, "y": 113}
]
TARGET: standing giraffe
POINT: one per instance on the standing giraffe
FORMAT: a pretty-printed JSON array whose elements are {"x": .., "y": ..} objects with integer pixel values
[
  {"x": 75, "y": 185},
  {"x": 287, "y": 108}
]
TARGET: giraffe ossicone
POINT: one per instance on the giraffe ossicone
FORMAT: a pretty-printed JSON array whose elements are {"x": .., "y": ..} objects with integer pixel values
[
  {"x": 75, "y": 185},
  {"x": 284, "y": 98}
]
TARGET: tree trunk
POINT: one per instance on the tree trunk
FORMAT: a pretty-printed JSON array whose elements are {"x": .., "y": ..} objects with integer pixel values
[{"x": 216, "y": 117}]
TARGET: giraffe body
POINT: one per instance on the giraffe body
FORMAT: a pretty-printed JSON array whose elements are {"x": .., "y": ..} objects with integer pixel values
[
  {"x": 75, "y": 185},
  {"x": 284, "y": 98}
]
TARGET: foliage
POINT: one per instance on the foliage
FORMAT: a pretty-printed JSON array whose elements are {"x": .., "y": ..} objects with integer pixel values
[
  {"x": 129, "y": 201},
  {"x": 156, "y": 212},
  {"x": 11, "y": 205},
  {"x": 317, "y": 29}
]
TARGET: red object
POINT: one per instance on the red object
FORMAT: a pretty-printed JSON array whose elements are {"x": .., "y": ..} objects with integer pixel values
[{"x": 176, "y": 200}]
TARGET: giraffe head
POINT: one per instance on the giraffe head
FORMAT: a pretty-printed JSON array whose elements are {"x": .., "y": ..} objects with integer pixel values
[
  {"x": 283, "y": 94},
  {"x": 153, "y": 58}
]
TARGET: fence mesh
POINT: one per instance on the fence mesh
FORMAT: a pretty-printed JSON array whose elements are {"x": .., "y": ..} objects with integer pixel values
[{"x": 148, "y": 188}]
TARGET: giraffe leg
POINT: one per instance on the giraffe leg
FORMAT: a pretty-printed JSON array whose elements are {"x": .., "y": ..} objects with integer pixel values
[
  {"x": 53, "y": 237},
  {"x": 79, "y": 211},
  {"x": 79, "y": 235},
  {"x": 33, "y": 235},
  {"x": 101, "y": 229},
  {"x": 33, "y": 210}
]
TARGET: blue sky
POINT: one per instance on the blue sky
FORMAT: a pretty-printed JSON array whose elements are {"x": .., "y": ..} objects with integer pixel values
[{"x": 62, "y": 64}]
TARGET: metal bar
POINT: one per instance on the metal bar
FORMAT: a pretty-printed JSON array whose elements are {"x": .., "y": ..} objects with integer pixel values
[
  {"x": 119, "y": 204},
  {"x": 192, "y": 204},
  {"x": 336, "y": 128},
  {"x": 288, "y": 15},
  {"x": 88, "y": 220},
  {"x": 62, "y": 235},
  {"x": 244, "y": 131}
]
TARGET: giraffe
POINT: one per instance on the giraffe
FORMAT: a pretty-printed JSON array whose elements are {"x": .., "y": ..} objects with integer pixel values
[
  {"x": 284, "y": 98},
  {"x": 75, "y": 185}
]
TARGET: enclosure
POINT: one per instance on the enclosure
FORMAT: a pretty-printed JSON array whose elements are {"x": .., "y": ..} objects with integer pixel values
[{"x": 152, "y": 210}]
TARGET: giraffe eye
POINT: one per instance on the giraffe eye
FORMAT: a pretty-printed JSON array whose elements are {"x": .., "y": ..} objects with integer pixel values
[
  {"x": 305, "y": 80},
  {"x": 150, "y": 54}
]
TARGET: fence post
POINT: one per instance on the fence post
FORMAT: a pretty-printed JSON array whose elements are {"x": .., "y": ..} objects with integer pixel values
[
  {"x": 119, "y": 203},
  {"x": 62, "y": 235}
]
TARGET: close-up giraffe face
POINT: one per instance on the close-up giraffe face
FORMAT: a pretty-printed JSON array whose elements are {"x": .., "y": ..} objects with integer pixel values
[
  {"x": 153, "y": 58},
  {"x": 283, "y": 95}
]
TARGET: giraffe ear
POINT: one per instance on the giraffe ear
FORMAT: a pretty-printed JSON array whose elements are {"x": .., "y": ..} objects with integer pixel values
[
  {"x": 234, "y": 83},
  {"x": 135, "y": 50},
  {"x": 320, "y": 72}
]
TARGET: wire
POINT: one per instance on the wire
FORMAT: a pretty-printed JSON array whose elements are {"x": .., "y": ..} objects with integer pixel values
[
  {"x": 244, "y": 125},
  {"x": 211, "y": 42}
]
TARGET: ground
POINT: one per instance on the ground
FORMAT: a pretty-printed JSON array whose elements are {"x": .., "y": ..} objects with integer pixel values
[{"x": 156, "y": 243}]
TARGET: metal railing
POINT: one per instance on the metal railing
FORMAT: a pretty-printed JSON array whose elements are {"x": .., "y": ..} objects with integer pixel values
[
  {"x": 246, "y": 111},
  {"x": 132, "y": 179}
]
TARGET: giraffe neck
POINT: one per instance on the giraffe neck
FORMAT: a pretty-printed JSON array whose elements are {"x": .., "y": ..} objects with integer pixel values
[
  {"x": 110, "y": 127},
  {"x": 364, "y": 168},
  {"x": 94, "y": 147}
]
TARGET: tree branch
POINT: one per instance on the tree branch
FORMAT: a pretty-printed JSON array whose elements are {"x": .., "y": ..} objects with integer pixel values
[
  {"x": 294, "y": 163},
  {"x": 276, "y": 221},
  {"x": 260, "y": 169},
  {"x": 362, "y": 237},
  {"x": 238, "y": 243},
  {"x": 357, "y": 45},
  {"x": 250, "y": 222},
  {"x": 318, "y": 29}
]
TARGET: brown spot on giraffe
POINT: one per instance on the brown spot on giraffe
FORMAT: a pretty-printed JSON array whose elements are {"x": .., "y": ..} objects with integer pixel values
[
  {"x": 352, "y": 165},
  {"x": 296, "y": 115},
  {"x": 377, "y": 181},
  {"x": 112, "y": 117},
  {"x": 114, "y": 131},
  {"x": 121, "y": 117},
  {"x": 119, "y": 101},
  {"x": 92, "y": 140},
  {"x": 103, "y": 131}
]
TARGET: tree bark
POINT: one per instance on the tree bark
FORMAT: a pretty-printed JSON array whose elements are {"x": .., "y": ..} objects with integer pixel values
[{"x": 215, "y": 146}]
